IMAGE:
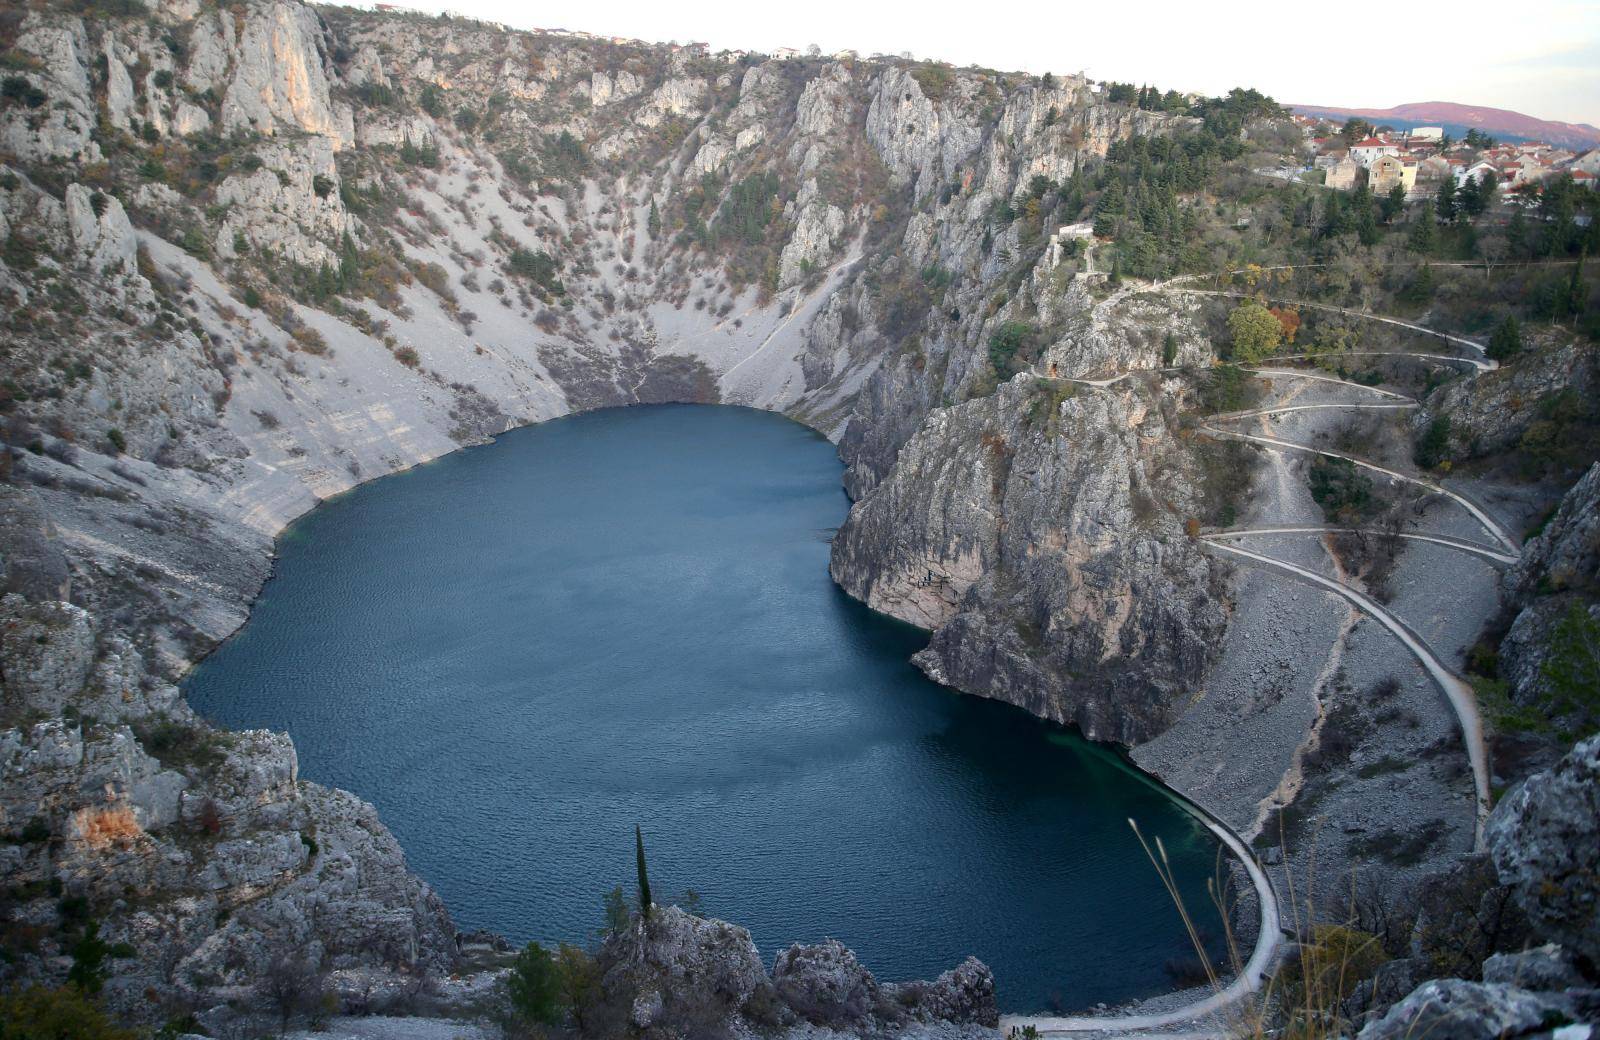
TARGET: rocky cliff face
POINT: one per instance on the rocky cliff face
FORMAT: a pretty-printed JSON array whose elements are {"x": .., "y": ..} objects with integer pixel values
[
  {"x": 1037, "y": 532},
  {"x": 255, "y": 256},
  {"x": 258, "y": 255}
]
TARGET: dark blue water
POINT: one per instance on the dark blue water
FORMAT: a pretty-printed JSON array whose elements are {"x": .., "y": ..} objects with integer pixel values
[{"x": 520, "y": 650}]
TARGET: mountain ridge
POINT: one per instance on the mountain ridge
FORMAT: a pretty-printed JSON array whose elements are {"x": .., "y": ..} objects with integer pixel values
[{"x": 1500, "y": 121}]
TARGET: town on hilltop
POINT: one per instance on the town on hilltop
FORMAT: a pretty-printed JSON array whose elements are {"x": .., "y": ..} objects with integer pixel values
[{"x": 1419, "y": 160}]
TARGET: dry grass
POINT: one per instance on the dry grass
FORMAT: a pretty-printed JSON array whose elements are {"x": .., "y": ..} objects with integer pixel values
[{"x": 1305, "y": 997}]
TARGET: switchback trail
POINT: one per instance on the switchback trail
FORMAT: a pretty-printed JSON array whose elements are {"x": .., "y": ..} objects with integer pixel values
[
  {"x": 1481, "y": 364},
  {"x": 1206, "y": 1014},
  {"x": 1460, "y": 695},
  {"x": 1486, "y": 551},
  {"x": 1335, "y": 308},
  {"x": 1472, "y": 507}
]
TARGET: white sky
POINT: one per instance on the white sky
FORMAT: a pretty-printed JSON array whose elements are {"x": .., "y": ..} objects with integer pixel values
[{"x": 1541, "y": 57}]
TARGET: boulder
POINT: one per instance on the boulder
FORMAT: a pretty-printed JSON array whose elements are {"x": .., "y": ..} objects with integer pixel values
[
  {"x": 688, "y": 960},
  {"x": 825, "y": 984},
  {"x": 1545, "y": 840},
  {"x": 1546, "y": 967},
  {"x": 1464, "y": 1010},
  {"x": 963, "y": 995}
]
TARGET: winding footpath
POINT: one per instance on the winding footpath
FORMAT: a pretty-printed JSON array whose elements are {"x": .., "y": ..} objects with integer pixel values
[
  {"x": 1347, "y": 312},
  {"x": 1470, "y": 506},
  {"x": 1206, "y": 1014},
  {"x": 1461, "y": 697},
  {"x": 1486, "y": 551}
]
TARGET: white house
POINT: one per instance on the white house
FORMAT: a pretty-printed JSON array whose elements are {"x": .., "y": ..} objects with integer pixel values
[
  {"x": 1365, "y": 151},
  {"x": 1426, "y": 133}
]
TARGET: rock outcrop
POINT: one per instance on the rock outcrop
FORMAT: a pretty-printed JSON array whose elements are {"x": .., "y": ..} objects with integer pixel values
[
  {"x": 1545, "y": 838},
  {"x": 257, "y": 255},
  {"x": 1034, "y": 532},
  {"x": 673, "y": 973}
]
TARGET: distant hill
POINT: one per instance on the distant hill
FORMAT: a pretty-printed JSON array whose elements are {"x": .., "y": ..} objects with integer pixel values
[{"x": 1458, "y": 119}]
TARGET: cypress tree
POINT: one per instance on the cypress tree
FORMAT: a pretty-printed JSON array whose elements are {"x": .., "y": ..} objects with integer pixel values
[{"x": 644, "y": 875}]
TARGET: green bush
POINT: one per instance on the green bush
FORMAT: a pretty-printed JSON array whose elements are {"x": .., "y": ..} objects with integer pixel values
[
  {"x": 179, "y": 744},
  {"x": 533, "y": 986},
  {"x": 1011, "y": 347},
  {"x": 1343, "y": 491},
  {"x": 432, "y": 100},
  {"x": 1433, "y": 445},
  {"x": 66, "y": 1013},
  {"x": 1506, "y": 341},
  {"x": 15, "y": 90},
  {"x": 935, "y": 80},
  {"x": 1227, "y": 388},
  {"x": 538, "y": 267}
]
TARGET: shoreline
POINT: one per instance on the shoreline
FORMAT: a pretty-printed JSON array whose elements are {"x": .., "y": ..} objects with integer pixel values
[{"x": 1212, "y": 822}]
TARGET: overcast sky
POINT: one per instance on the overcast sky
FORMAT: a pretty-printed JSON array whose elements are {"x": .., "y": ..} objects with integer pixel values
[{"x": 1541, "y": 57}]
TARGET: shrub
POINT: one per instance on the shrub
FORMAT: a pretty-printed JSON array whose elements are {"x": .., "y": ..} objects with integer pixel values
[
  {"x": 537, "y": 267},
  {"x": 118, "y": 441},
  {"x": 432, "y": 100},
  {"x": 37, "y": 1013},
  {"x": 15, "y": 90},
  {"x": 533, "y": 986},
  {"x": 407, "y": 356},
  {"x": 177, "y": 744},
  {"x": 935, "y": 80},
  {"x": 1010, "y": 340},
  {"x": 1433, "y": 444},
  {"x": 1506, "y": 340},
  {"x": 322, "y": 185},
  {"x": 1255, "y": 332},
  {"x": 1343, "y": 492},
  {"x": 309, "y": 340},
  {"x": 1227, "y": 388}
]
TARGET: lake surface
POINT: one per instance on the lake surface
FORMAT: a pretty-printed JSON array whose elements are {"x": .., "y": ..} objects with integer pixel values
[{"x": 519, "y": 651}]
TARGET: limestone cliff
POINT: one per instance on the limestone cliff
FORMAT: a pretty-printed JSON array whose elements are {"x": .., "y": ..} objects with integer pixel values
[
  {"x": 257, "y": 255},
  {"x": 1038, "y": 533}
]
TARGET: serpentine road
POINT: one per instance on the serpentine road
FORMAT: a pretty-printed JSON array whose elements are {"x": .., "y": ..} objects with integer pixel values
[
  {"x": 1486, "y": 551},
  {"x": 1460, "y": 695},
  {"x": 1478, "y": 514}
]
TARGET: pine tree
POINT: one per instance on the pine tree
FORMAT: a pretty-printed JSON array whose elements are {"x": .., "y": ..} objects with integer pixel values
[
  {"x": 1446, "y": 201},
  {"x": 644, "y": 875},
  {"x": 1421, "y": 239},
  {"x": 655, "y": 220},
  {"x": 1517, "y": 234},
  {"x": 1577, "y": 298},
  {"x": 1393, "y": 204},
  {"x": 1506, "y": 340},
  {"x": 1366, "y": 224}
]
